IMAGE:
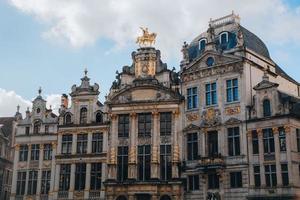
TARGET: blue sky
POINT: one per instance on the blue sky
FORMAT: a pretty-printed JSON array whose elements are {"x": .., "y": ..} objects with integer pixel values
[{"x": 43, "y": 43}]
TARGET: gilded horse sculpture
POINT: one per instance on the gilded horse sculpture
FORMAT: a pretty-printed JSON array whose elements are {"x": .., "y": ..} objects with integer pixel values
[{"x": 147, "y": 39}]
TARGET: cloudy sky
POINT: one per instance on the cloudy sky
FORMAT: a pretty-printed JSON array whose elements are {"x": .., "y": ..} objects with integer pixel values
[{"x": 48, "y": 43}]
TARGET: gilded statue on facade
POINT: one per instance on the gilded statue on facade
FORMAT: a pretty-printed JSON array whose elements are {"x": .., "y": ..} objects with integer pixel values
[{"x": 147, "y": 39}]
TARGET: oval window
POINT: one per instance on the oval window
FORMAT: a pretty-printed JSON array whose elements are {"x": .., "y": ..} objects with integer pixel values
[{"x": 210, "y": 61}]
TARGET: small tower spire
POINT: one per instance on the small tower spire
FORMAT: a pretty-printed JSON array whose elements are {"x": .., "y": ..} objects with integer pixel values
[
  {"x": 40, "y": 90},
  {"x": 18, "y": 108},
  {"x": 85, "y": 71}
]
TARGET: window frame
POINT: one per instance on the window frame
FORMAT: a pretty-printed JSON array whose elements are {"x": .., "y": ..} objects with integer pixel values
[
  {"x": 230, "y": 90},
  {"x": 267, "y": 108},
  {"x": 192, "y": 146},
  {"x": 23, "y": 153},
  {"x": 83, "y": 115},
  {"x": 35, "y": 152},
  {"x": 255, "y": 143},
  {"x": 233, "y": 135},
  {"x": 268, "y": 141},
  {"x": 285, "y": 174},
  {"x": 193, "y": 182},
  {"x": 192, "y": 97},
  {"x": 47, "y": 152},
  {"x": 97, "y": 142},
  {"x": 202, "y": 47},
  {"x": 122, "y": 163},
  {"x": 96, "y": 176},
  {"x": 32, "y": 182},
  {"x": 165, "y": 122},
  {"x": 80, "y": 174},
  {"x": 123, "y": 125},
  {"x": 256, "y": 173},
  {"x": 45, "y": 181},
  {"x": 21, "y": 183},
  {"x": 211, "y": 95},
  {"x": 165, "y": 162},
  {"x": 236, "y": 179},
  {"x": 64, "y": 177},
  {"x": 144, "y": 124},
  {"x": 66, "y": 146},
  {"x": 270, "y": 175},
  {"x": 81, "y": 144},
  {"x": 144, "y": 162}
]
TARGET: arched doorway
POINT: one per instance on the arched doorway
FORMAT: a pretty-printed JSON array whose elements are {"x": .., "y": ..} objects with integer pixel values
[
  {"x": 165, "y": 197},
  {"x": 121, "y": 198}
]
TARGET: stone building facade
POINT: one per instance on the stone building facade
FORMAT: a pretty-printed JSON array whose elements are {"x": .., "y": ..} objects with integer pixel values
[
  {"x": 80, "y": 165},
  {"x": 226, "y": 126},
  {"x": 7, "y": 128},
  {"x": 236, "y": 97},
  {"x": 35, "y": 142}
]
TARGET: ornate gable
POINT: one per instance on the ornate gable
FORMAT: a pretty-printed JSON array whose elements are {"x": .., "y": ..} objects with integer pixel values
[{"x": 191, "y": 127}]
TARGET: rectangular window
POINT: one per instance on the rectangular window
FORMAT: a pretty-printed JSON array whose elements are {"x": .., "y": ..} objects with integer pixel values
[
  {"x": 282, "y": 139},
  {"x": 255, "y": 145},
  {"x": 165, "y": 123},
  {"x": 144, "y": 124},
  {"x": 285, "y": 174},
  {"x": 270, "y": 175},
  {"x": 21, "y": 182},
  {"x": 232, "y": 90},
  {"x": 82, "y": 140},
  {"x": 211, "y": 94},
  {"x": 236, "y": 180},
  {"x": 268, "y": 139},
  {"x": 213, "y": 181},
  {"x": 23, "y": 153},
  {"x": 192, "y": 146},
  {"x": 32, "y": 182},
  {"x": 96, "y": 174},
  {"x": 165, "y": 162},
  {"x": 122, "y": 171},
  {"x": 213, "y": 143},
  {"x": 97, "y": 143},
  {"x": 46, "y": 129},
  {"x": 256, "y": 170},
  {"x": 64, "y": 179},
  {"x": 192, "y": 98},
  {"x": 144, "y": 162},
  {"x": 80, "y": 176},
  {"x": 27, "y": 129},
  {"x": 45, "y": 183},
  {"x": 35, "y": 152},
  {"x": 47, "y": 151},
  {"x": 123, "y": 125},
  {"x": 66, "y": 146},
  {"x": 233, "y": 141},
  {"x": 193, "y": 182},
  {"x": 298, "y": 139}
]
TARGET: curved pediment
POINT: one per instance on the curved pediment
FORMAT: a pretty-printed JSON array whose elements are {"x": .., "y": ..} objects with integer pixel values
[{"x": 144, "y": 93}]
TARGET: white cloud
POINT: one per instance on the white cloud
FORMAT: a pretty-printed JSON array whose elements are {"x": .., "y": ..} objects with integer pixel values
[
  {"x": 9, "y": 101},
  {"x": 82, "y": 22}
]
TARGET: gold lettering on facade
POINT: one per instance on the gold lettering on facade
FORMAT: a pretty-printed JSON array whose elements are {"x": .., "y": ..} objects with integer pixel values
[{"x": 233, "y": 110}]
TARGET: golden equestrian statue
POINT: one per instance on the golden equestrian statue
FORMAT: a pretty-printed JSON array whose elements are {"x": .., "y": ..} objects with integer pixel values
[{"x": 147, "y": 39}]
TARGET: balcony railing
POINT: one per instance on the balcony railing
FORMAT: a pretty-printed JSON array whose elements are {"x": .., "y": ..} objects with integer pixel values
[
  {"x": 215, "y": 162},
  {"x": 63, "y": 194},
  {"x": 94, "y": 194}
]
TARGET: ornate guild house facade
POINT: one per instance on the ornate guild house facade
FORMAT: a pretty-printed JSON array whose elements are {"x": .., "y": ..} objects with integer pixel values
[{"x": 226, "y": 126}]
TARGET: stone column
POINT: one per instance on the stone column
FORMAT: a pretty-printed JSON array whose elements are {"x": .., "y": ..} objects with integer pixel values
[
  {"x": 277, "y": 155},
  {"x": 132, "y": 172},
  {"x": 15, "y": 172},
  {"x": 53, "y": 171},
  {"x": 56, "y": 181},
  {"x": 250, "y": 156},
  {"x": 261, "y": 156},
  {"x": 154, "y": 149},
  {"x": 74, "y": 144},
  {"x": 89, "y": 144},
  {"x": 41, "y": 158},
  {"x": 112, "y": 158},
  {"x": 288, "y": 137},
  {"x": 175, "y": 157},
  {"x": 59, "y": 141},
  {"x": 87, "y": 180},
  {"x": 72, "y": 181}
]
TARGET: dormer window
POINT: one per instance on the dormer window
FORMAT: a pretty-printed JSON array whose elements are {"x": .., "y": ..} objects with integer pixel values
[
  {"x": 38, "y": 110},
  {"x": 224, "y": 38},
  {"x": 266, "y": 108},
  {"x": 68, "y": 119},
  {"x": 202, "y": 44},
  {"x": 36, "y": 127},
  {"x": 99, "y": 118},
  {"x": 83, "y": 115}
]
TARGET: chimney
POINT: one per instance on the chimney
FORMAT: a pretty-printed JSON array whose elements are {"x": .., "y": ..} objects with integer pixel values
[{"x": 64, "y": 101}]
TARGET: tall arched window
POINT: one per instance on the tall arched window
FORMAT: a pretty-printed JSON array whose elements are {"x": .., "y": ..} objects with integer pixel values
[
  {"x": 68, "y": 119},
  {"x": 36, "y": 127},
  {"x": 83, "y": 115},
  {"x": 266, "y": 108},
  {"x": 99, "y": 118}
]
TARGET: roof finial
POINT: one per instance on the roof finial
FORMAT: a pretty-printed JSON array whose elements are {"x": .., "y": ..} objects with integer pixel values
[
  {"x": 265, "y": 76},
  {"x": 85, "y": 71},
  {"x": 18, "y": 108},
  {"x": 40, "y": 90},
  {"x": 27, "y": 109}
]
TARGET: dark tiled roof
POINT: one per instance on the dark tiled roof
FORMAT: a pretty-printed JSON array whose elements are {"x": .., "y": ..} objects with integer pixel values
[
  {"x": 7, "y": 125},
  {"x": 251, "y": 41}
]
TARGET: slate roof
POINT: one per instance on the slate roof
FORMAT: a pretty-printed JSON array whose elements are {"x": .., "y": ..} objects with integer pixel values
[{"x": 7, "y": 123}]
